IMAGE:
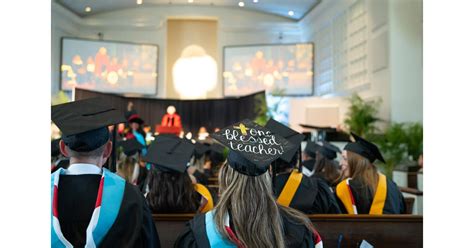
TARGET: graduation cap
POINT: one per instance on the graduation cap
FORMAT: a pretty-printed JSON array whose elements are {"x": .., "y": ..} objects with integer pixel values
[
  {"x": 170, "y": 153},
  {"x": 252, "y": 148},
  {"x": 311, "y": 148},
  {"x": 84, "y": 123},
  {"x": 201, "y": 148},
  {"x": 364, "y": 148},
  {"x": 329, "y": 150},
  {"x": 55, "y": 148},
  {"x": 130, "y": 146},
  {"x": 134, "y": 118},
  {"x": 289, "y": 134}
]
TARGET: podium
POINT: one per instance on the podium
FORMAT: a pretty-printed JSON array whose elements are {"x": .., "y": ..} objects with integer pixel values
[{"x": 167, "y": 130}]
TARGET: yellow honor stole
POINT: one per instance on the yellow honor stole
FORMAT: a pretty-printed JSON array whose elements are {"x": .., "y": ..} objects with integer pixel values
[
  {"x": 344, "y": 193},
  {"x": 290, "y": 188},
  {"x": 204, "y": 192}
]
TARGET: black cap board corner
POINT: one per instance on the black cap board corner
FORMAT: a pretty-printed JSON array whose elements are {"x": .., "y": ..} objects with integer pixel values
[
  {"x": 289, "y": 134},
  {"x": 252, "y": 147},
  {"x": 83, "y": 123},
  {"x": 364, "y": 148},
  {"x": 169, "y": 153}
]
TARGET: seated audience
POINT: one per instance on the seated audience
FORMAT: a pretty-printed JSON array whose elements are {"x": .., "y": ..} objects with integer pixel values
[
  {"x": 128, "y": 166},
  {"x": 170, "y": 189},
  {"x": 364, "y": 190},
  {"x": 247, "y": 214},
  {"x": 291, "y": 187},
  {"x": 309, "y": 158},
  {"x": 57, "y": 159},
  {"x": 92, "y": 206},
  {"x": 326, "y": 167}
]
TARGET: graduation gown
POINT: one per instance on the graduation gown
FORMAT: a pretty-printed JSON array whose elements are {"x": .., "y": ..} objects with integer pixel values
[
  {"x": 195, "y": 235},
  {"x": 133, "y": 227},
  {"x": 363, "y": 198},
  {"x": 313, "y": 195}
]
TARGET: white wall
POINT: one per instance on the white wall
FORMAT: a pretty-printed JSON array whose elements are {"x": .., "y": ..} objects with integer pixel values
[
  {"x": 391, "y": 53},
  {"x": 147, "y": 25}
]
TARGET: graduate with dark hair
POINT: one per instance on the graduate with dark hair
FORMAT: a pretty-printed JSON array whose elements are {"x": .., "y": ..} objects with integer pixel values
[
  {"x": 247, "y": 214},
  {"x": 170, "y": 189},
  {"x": 326, "y": 167},
  {"x": 364, "y": 190},
  {"x": 291, "y": 187},
  {"x": 309, "y": 158},
  {"x": 92, "y": 206}
]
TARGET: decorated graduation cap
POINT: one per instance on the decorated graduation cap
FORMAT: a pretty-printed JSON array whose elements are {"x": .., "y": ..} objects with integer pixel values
[
  {"x": 329, "y": 150},
  {"x": 55, "y": 148},
  {"x": 84, "y": 123},
  {"x": 289, "y": 134},
  {"x": 169, "y": 153},
  {"x": 252, "y": 148},
  {"x": 135, "y": 118},
  {"x": 311, "y": 148},
  {"x": 364, "y": 148},
  {"x": 130, "y": 146}
]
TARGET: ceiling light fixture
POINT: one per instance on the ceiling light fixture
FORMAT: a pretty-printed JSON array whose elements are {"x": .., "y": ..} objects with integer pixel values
[
  {"x": 88, "y": 9},
  {"x": 241, "y": 4},
  {"x": 190, "y": 1},
  {"x": 139, "y": 2},
  {"x": 291, "y": 13},
  {"x": 255, "y": 1}
]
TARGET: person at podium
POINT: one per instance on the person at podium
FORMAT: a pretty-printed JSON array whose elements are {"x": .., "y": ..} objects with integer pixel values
[{"x": 170, "y": 123}]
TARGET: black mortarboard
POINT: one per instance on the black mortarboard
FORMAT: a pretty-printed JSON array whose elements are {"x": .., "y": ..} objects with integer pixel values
[
  {"x": 329, "y": 150},
  {"x": 201, "y": 148},
  {"x": 364, "y": 148},
  {"x": 55, "y": 148},
  {"x": 311, "y": 148},
  {"x": 252, "y": 147},
  {"x": 169, "y": 153},
  {"x": 84, "y": 123},
  {"x": 289, "y": 134},
  {"x": 130, "y": 146},
  {"x": 135, "y": 118}
]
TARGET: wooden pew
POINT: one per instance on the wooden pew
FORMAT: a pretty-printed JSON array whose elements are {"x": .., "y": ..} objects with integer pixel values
[{"x": 379, "y": 230}]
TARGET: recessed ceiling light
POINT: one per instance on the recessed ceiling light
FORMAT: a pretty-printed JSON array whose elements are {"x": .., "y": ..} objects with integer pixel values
[
  {"x": 255, "y": 1},
  {"x": 139, "y": 2},
  {"x": 88, "y": 9},
  {"x": 190, "y": 1},
  {"x": 241, "y": 4},
  {"x": 291, "y": 13}
]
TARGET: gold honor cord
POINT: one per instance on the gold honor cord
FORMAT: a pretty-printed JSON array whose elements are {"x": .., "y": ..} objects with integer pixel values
[{"x": 290, "y": 188}]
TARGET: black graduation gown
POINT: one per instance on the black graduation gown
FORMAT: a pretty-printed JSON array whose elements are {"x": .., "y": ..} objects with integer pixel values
[
  {"x": 201, "y": 178},
  {"x": 195, "y": 236},
  {"x": 313, "y": 195},
  {"x": 309, "y": 164},
  {"x": 134, "y": 226},
  {"x": 394, "y": 202}
]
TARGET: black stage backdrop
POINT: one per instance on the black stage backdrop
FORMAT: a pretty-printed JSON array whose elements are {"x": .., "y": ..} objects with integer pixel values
[{"x": 210, "y": 113}]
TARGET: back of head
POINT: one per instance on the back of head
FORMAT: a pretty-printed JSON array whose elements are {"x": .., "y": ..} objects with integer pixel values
[
  {"x": 126, "y": 165},
  {"x": 362, "y": 170},
  {"x": 251, "y": 198},
  {"x": 328, "y": 169},
  {"x": 171, "y": 192}
]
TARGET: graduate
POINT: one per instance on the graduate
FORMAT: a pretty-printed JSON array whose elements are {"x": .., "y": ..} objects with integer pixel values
[
  {"x": 364, "y": 190},
  {"x": 247, "y": 214},
  {"x": 128, "y": 166},
  {"x": 291, "y": 187},
  {"x": 136, "y": 130},
  {"x": 309, "y": 158},
  {"x": 326, "y": 167},
  {"x": 92, "y": 206},
  {"x": 196, "y": 169},
  {"x": 170, "y": 189}
]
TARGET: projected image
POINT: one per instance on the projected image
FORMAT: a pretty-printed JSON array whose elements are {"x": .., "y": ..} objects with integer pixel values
[
  {"x": 111, "y": 67},
  {"x": 286, "y": 68}
]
